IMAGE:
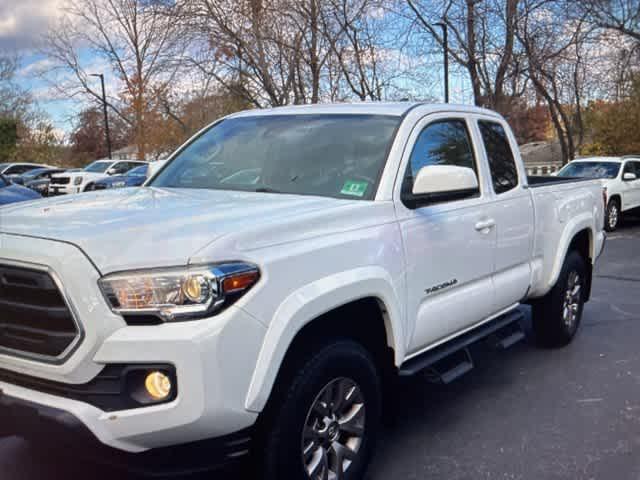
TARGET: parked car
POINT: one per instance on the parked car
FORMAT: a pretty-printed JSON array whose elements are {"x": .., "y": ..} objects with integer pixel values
[
  {"x": 76, "y": 182},
  {"x": 13, "y": 193},
  {"x": 272, "y": 316},
  {"x": 38, "y": 179},
  {"x": 15, "y": 169},
  {"x": 620, "y": 177},
  {"x": 133, "y": 178}
]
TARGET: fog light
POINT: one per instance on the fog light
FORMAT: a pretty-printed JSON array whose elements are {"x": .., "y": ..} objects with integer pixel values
[{"x": 158, "y": 385}]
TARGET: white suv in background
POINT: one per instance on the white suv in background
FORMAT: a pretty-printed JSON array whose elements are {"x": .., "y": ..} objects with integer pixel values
[
  {"x": 78, "y": 181},
  {"x": 620, "y": 177}
]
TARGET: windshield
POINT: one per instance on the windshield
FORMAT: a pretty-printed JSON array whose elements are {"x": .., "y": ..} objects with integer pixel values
[
  {"x": 590, "y": 170},
  {"x": 97, "y": 167},
  {"x": 3, "y": 166},
  {"x": 338, "y": 156}
]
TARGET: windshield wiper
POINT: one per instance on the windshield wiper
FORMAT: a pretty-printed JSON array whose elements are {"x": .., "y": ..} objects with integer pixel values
[{"x": 266, "y": 190}]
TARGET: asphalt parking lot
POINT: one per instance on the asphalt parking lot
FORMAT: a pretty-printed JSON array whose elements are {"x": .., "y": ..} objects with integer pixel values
[{"x": 525, "y": 413}]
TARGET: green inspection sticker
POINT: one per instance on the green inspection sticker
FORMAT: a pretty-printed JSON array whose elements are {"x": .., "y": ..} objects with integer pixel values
[{"x": 355, "y": 188}]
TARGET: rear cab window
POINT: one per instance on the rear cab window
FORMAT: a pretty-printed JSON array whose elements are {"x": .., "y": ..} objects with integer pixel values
[{"x": 502, "y": 164}]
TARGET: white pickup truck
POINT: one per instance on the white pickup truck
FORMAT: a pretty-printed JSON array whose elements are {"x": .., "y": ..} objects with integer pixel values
[{"x": 269, "y": 315}]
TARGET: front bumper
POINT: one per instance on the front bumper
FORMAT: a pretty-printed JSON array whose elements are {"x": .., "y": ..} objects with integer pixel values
[
  {"x": 37, "y": 422},
  {"x": 214, "y": 361},
  {"x": 57, "y": 189}
]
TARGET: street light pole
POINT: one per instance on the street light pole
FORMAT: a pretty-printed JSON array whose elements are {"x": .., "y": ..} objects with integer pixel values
[
  {"x": 445, "y": 41},
  {"x": 104, "y": 107}
]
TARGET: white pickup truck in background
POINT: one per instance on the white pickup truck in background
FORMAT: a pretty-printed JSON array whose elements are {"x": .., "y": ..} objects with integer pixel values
[{"x": 260, "y": 294}]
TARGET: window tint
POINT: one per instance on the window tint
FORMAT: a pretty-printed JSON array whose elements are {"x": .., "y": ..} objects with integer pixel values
[
  {"x": 441, "y": 143},
  {"x": 121, "y": 167},
  {"x": 502, "y": 165},
  {"x": 629, "y": 168},
  {"x": 19, "y": 169},
  {"x": 632, "y": 167},
  {"x": 332, "y": 155}
]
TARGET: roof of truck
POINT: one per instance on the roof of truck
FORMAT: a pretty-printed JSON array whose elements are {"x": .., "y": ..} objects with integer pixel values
[
  {"x": 601, "y": 159},
  {"x": 363, "y": 108}
]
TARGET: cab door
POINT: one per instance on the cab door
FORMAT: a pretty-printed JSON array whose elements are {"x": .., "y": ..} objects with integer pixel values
[
  {"x": 449, "y": 239},
  {"x": 512, "y": 209}
]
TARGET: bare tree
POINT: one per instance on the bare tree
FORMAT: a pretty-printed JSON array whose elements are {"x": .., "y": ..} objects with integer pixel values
[
  {"x": 619, "y": 15},
  {"x": 292, "y": 51},
  {"x": 140, "y": 42},
  {"x": 555, "y": 65},
  {"x": 482, "y": 37}
]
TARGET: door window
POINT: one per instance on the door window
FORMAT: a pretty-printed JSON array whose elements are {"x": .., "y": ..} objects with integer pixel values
[
  {"x": 444, "y": 142},
  {"x": 632, "y": 167},
  {"x": 502, "y": 165}
]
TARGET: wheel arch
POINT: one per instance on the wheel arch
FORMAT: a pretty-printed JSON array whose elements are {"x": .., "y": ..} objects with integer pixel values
[
  {"x": 616, "y": 197},
  {"x": 308, "y": 316},
  {"x": 582, "y": 241}
]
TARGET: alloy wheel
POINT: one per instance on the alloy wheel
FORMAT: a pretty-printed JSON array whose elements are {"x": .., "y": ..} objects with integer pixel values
[
  {"x": 572, "y": 298},
  {"x": 613, "y": 216},
  {"x": 334, "y": 430}
]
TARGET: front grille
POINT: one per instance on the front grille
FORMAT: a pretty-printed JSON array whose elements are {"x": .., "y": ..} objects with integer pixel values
[
  {"x": 35, "y": 320},
  {"x": 60, "y": 180}
]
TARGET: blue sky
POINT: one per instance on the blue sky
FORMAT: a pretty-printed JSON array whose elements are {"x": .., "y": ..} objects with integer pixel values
[{"x": 22, "y": 23}]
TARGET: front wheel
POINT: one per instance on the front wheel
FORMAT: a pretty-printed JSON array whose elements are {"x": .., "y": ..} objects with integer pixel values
[
  {"x": 327, "y": 423},
  {"x": 612, "y": 216},
  {"x": 556, "y": 316}
]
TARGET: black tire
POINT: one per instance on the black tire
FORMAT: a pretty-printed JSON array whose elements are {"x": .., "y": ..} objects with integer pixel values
[
  {"x": 88, "y": 188},
  {"x": 552, "y": 325},
  {"x": 613, "y": 215},
  {"x": 282, "y": 439}
]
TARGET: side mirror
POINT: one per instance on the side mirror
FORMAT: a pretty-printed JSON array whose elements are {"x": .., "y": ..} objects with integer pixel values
[
  {"x": 444, "y": 178},
  {"x": 629, "y": 177},
  {"x": 111, "y": 171}
]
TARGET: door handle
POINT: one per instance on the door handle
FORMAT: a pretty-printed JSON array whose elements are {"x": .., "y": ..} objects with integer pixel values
[{"x": 485, "y": 224}]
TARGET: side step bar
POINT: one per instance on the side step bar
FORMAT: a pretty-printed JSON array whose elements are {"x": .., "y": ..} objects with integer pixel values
[{"x": 453, "y": 359}]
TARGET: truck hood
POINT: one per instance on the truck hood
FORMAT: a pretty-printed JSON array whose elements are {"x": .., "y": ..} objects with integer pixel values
[{"x": 149, "y": 227}]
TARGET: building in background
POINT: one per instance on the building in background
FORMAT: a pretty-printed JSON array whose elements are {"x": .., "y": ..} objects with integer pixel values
[{"x": 541, "y": 158}]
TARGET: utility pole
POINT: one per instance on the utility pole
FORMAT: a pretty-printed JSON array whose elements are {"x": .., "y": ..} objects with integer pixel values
[
  {"x": 104, "y": 107},
  {"x": 445, "y": 41}
]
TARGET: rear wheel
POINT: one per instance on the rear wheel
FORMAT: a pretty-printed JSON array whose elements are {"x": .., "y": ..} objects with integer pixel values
[
  {"x": 556, "y": 316},
  {"x": 326, "y": 424},
  {"x": 613, "y": 215}
]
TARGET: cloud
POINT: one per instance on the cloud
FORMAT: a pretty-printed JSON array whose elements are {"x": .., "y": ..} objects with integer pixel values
[{"x": 22, "y": 22}]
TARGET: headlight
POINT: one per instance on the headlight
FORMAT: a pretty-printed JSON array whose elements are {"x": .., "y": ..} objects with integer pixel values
[
  {"x": 77, "y": 181},
  {"x": 118, "y": 184},
  {"x": 178, "y": 294}
]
